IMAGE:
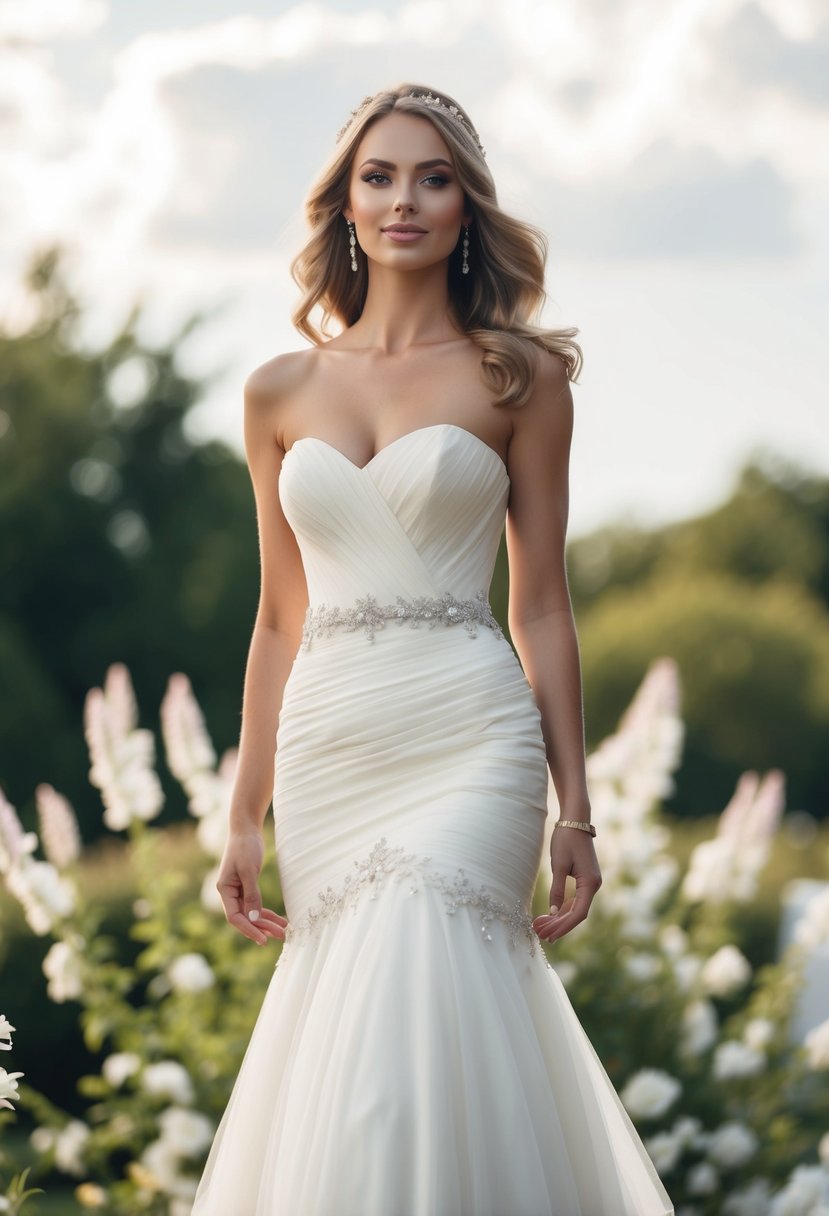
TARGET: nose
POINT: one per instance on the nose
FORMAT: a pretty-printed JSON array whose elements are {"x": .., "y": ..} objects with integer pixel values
[{"x": 405, "y": 202}]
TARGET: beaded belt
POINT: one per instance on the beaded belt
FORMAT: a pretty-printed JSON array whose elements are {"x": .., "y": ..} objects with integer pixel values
[{"x": 368, "y": 615}]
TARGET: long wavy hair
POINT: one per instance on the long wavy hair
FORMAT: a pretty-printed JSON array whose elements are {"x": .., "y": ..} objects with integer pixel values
[{"x": 496, "y": 304}]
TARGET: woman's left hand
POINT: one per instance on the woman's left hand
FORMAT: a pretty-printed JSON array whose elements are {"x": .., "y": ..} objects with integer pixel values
[{"x": 571, "y": 852}]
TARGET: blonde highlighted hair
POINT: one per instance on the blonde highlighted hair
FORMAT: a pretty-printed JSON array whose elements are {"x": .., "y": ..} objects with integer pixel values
[{"x": 497, "y": 304}]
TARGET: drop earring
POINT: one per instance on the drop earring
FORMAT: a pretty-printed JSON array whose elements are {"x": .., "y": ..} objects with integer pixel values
[
  {"x": 352, "y": 241},
  {"x": 465, "y": 266}
]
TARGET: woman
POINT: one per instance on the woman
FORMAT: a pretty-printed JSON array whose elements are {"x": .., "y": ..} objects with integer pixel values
[{"x": 415, "y": 1055}]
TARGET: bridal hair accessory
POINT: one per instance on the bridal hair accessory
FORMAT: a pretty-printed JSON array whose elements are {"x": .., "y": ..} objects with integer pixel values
[
  {"x": 452, "y": 110},
  {"x": 575, "y": 823},
  {"x": 465, "y": 266},
  {"x": 352, "y": 241}
]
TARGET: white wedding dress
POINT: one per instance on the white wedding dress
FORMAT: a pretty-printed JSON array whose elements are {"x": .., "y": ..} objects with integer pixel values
[{"x": 415, "y": 1054}]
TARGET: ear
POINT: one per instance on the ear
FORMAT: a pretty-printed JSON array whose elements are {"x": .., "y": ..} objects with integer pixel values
[{"x": 348, "y": 213}]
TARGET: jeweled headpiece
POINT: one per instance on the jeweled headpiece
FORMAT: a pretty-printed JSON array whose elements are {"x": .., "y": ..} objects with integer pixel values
[{"x": 451, "y": 110}]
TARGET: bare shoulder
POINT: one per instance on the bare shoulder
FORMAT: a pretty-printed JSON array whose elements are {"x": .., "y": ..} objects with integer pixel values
[
  {"x": 278, "y": 377},
  {"x": 549, "y": 409},
  {"x": 269, "y": 389}
]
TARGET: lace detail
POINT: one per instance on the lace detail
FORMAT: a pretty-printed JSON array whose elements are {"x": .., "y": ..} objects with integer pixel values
[
  {"x": 368, "y": 615},
  {"x": 384, "y": 861}
]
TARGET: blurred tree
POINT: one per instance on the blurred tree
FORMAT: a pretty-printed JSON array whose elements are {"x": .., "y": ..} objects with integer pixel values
[
  {"x": 754, "y": 663},
  {"x": 120, "y": 538},
  {"x": 740, "y": 597},
  {"x": 774, "y": 524}
]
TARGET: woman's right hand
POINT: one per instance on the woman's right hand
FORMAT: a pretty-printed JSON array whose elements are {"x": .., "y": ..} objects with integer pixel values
[{"x": 238, "y": 886}]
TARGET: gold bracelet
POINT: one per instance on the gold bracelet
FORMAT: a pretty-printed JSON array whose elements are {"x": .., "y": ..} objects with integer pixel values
[{"x": 575, "y": 823}]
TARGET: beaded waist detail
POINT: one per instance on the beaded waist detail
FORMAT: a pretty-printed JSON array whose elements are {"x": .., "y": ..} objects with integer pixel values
[{"x": 369, "y": 616}]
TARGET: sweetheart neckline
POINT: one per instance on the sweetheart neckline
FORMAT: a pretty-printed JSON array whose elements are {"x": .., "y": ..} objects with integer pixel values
[{"x": 436, "y": 426}]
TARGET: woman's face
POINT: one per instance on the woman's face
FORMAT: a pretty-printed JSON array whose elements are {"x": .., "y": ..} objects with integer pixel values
[{"x": 402, "y": 174}]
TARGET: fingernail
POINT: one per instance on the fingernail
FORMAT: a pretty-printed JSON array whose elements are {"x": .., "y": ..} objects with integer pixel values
[
  {"x": 253, "y": 914},
  {"x": 553, "y": 909}
]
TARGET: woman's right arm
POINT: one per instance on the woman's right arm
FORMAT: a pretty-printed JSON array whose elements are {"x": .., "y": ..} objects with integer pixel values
[{"x": 276, "y": 636}]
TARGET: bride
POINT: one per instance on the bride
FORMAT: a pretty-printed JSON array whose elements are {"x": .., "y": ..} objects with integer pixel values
[{"x": 415, "y": 1053}]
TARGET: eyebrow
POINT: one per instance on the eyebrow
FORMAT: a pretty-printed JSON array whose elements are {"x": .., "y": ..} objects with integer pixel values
[{"x": 424, "y": 164}]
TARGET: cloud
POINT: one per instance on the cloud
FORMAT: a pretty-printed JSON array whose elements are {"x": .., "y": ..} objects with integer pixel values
[
  {"x": 760, "y": 54},
  {"x": 678, "y": 203},
  {"x": 40, "y": 21},
  {"x": 623, "y": 132}
]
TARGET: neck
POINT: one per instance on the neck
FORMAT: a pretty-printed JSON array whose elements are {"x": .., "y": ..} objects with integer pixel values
[{"x": 405, "y": 308}]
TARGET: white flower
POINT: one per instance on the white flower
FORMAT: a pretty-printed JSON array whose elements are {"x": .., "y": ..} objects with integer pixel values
[
  {"x": 674, "y": 940},
  {"x": 122, "y": 755},
  {"x": 43, "y": 1139},
  {"x": 63, "y": 969},
  {"x": 732, "y": 1144},
  {"x": 758, "y": 1032},
  {"x": 210, "y": 897},
  {"x": 725, "y": 972},
  {"x": 212, "y": 832},
  {"x": 699, "y": 1027},
  {"x": 664, "y": 1150},
  {"x": 181, "y": 1207},
  {"x": 42, "y": 893},
  {"x": 812, "y": 928},
  {"x": 686, "y": 969},
  {"x": 14, "y": 842},
  {"x": 641, "y": 966},
  {"x": 808, "y": 1187},
  {"x": 735, "y": 1059},
  {"x": 69, "y": 1146},
  {"x": 190, "y": 973},
  {"x": 687, "y": 1130},
  {"x": 727, "y": 867},
  {"x": 119, "y": 1066},
  {"x": 186, "y": 1132},
  {"x": 649, "y": 1093},
  {"x": 702, "y": 1179},
  {"x": 168, "y": 1079},
  {"x": 8, "y": 1088},
  {"x": 163, "y": 1163},
  {"x": 817, "y": 1045},
  {"x": 58, "y": 827},
  {"x": 751, "y": 1200},
  {"x": 189, "y": 749},
  {"x": 6, "y": 1031},
  {"x": 823, "y": 1149}
]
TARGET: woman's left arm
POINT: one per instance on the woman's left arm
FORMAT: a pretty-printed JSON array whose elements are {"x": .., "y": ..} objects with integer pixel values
[{"x": 542, "y": 627}]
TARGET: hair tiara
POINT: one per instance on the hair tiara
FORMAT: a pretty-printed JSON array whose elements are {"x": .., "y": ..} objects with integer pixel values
[{"x": 452, "y": 110}]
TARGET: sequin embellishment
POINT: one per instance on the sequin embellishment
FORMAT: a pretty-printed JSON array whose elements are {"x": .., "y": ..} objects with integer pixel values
[
  {"x": 368, "y": 615},
  {"x": 386, "y": 862}
]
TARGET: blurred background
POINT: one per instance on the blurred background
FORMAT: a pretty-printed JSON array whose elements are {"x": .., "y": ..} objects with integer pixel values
[{"x": 154, "y": 159}]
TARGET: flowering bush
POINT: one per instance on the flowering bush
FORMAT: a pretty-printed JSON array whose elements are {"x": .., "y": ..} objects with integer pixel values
[
  {"x": 698, "y": 1044},
  {"x": 15, "y": 1195},
  {"x": 730, "y": 1108}
]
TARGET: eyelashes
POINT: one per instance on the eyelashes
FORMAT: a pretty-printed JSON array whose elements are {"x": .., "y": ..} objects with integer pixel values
[{"x": 433, "y": 177}]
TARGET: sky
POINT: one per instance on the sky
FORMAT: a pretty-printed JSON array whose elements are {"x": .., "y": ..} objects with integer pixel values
[{"x": 674, "y": 152}]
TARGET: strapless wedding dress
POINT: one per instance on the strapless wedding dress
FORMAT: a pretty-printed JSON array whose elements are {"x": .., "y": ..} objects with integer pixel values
[{"x": 415, "y": 1054}]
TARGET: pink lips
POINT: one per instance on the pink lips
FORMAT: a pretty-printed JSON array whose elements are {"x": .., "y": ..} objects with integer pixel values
[{"x": 403, "y": 234}]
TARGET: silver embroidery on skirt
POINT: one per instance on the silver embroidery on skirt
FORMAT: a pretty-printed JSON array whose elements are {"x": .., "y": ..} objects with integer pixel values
[
  {"x": 368, "y": 615},
  {"x": 384, "y": 860}
]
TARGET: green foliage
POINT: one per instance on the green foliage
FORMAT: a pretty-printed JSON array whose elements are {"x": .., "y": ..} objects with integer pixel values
[
  {"x": 740, "y": 596},
  {"x": 755, "y": 675},
  {"x": 120, "y": 538}
]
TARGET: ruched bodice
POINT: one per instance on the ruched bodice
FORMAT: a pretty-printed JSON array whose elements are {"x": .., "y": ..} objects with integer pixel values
[{"x": 422, "y": 518}]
